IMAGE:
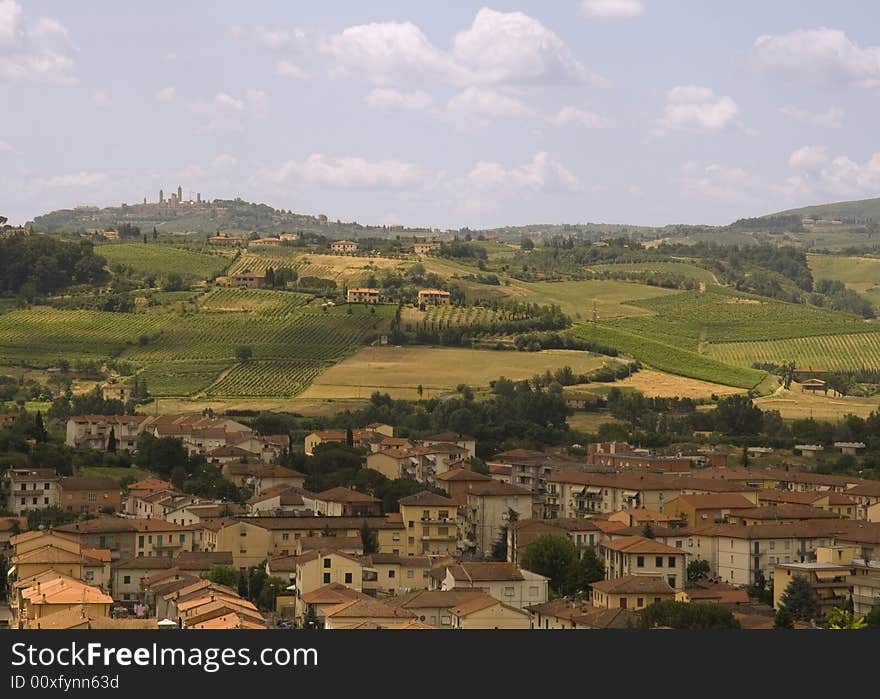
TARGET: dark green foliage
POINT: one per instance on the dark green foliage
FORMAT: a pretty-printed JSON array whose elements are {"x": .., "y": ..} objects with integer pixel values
[
  {"x": 369, "y": 539},
  {"x": 801, "y": 600},
  {"x": 687, "y": 615},
  {"x": 553, "y": 557},
  {"x": 36, "y": 264},
  {"x": 783, "y": 620},
  {"x": 697, "y": 569}
]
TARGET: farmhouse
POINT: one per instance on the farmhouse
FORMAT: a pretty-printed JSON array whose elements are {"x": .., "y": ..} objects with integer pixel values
[
  {"x": 26, "y": 489},
  {"x": 264, "y": 241},
  {"x": 93, "y": 431},
  {"x": 344, "y": 246},
  {"x": 426, "y": 246},
  {"x": 434, "y": 297},
  {"x": 363, "y": 295},
  {"x": 243, "y": 280},
  {"x": 815, "y": 386},
  {"x": 226, "y": 240},
  {"x": 117, "y": 391},
  {"x": 89, "y": 495}
]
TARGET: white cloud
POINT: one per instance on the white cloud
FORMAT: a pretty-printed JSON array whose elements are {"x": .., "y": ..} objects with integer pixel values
[
  {"x": 541, "y": 174},
  {"x": 10, "y": 22},
  {"x": 478, "y": 106},
  {"x": 224, "y": 161},
  {"x": 225, "y": 112},
  {"x": 343, "y": 172},
  {"x": 387, "y": 52},
  {"x": 612, "y": 9},
  {"x": 719, "y": 182},
  {"x": 166, "y": 94},
  {"x": 808, "y": 158},
  {"x": 818, "y": 55},
  {"x": 831, "y": 118},
  {"x": 691, "y": 107},
  {"x": 101, "y": 99},
  {"x": 190, "y": 172},
  {"x": 513, "y": 48},
  {"x": 290, "y": 70},
  {"x": 579, "y": 117},
  {"x": 38, "y": 52},
  {"x": 499, "y": 48},
  {"x": 6, "y": 147},
  {"x": 79, "y": 180},
  {"x": 387, "y": 100},
  {"x": 819, "y": 174}
]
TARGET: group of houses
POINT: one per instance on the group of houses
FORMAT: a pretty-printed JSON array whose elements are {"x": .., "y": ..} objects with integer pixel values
[
  {"x": 343, "y": 559},
  {"x": 219, "y": 439}
]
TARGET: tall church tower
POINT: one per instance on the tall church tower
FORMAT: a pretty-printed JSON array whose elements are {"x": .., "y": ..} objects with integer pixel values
[
  {"x": 161, "y": 197},
  {"x": 179, "y": 194}
]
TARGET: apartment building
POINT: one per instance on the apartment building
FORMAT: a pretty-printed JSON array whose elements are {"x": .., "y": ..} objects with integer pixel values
[
  {"x": 432, "y": 525},
  {"x": 26, "y": 489},
  {"x": 638, "y": 555}
]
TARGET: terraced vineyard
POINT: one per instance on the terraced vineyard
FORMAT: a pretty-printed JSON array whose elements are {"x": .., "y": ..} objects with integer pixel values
[
  {"x": 828, "y": 352},
  {"x": 342, "y": 268},
  {"x": 164, "y": 259},
  {"x": 263, "y": 379},
  {"x": 451, "y": 316},
  {"x": 670, "y": 358},
  {"x": 722, "y": 315},
  {"x": 647, "y": 269},
  {"x": 181, "y": 378},
  {"x": 42, "y": 336},
  {"x": 203, "y": 336},
  {"x": 261, "y": 301}
]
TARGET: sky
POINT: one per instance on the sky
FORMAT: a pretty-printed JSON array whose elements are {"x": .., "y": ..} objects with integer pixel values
[{"x": 443, "y": 114}]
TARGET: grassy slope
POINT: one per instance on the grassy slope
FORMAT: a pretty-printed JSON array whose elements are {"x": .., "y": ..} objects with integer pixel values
[
  {"x": 670, "y": 358},
  {"x": 859, "y": 209},
  {"x": 163, "y": 259}
]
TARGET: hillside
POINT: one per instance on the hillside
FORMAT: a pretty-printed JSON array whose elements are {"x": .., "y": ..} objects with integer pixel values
[
  {"x": 859, "y": 210},
  {"x": 207, "y": 218}
]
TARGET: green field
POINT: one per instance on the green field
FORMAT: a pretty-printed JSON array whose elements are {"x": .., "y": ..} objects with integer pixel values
[
  {"x": 689, "y": 319},
  {"x": 647, "y": 269},
  {"x": 861, "y": 274},
  {"x": 163, "y": 259},
  {"x": 827, "y": 352},
  {"x": 42, "y": 336},
  {"x": 260, "y": 301},
  {"x": 611, "y": 297},
  {"x": 181, "y": 378},
  {"x": 186, "y": 354},
  {"x": 274, "y": 378},
  {"x": 669, "y": 358}
]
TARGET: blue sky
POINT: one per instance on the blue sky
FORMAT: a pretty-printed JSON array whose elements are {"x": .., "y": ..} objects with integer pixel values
[{"x": 443, "y": 114}]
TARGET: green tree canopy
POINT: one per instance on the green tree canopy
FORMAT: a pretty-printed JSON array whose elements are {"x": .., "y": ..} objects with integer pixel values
[
  {"x": 687, "y": 615},
  {"x": 801, "y": 600},
  {"x": 551, "y": 556}
]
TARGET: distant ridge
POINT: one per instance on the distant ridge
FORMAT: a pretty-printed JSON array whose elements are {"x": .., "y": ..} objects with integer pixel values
[{"x": 857, "y": 210}]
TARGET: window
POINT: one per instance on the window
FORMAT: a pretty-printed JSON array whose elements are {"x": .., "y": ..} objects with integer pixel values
[
  {"x": 426, "y": 531},
  {"x": 671, "y": 581},
  {"x": 658, "y": 561},
  {"x": 640, "y": 561},
  {"x": 326, "y": 562},
  {"x": 410, "y": 573},
  {"x": 672, "y": 561},
  {"x": 678, "y": 544},
  {"x": 45, "y": 501},
  {"x": 622, "y": 602},
  {"x": 444, "y": 514},
  {"x": 126, "y": 579},
  {"x": 92, "y": 497},
  {"x": 395, "y": 536},
  {"x": 140, "y": 541},
  {"x": 348, "y": 578},
  {"x": 640, "y": 602},
  {"x": 426, "y": 514},
  {"x": 285, "y": 536},
  {"x": 35, "y": 501},
  {"x": 442, "y": 531},
  {"x": 787, "y": 544},
  {"x": 183, "y": 538},
  {"x": 411, "y": 540},
  {"x": 772, "y": 545},
  {"x": 24, "y": 501},
  {"x": 508, "y": 591},
  {"x": 533, "y": 591},
  {"x": 391, "y": 574},
  {"x": 45, "y": 486},
  {"x": 326, "y": 578}
]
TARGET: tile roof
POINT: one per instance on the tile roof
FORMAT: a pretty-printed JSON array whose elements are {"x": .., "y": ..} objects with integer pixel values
[
  {"x": 641, "y": 544},
  {"x": 89, "y": 483},
  {"x": 340, "y": 494},
  {"x": 427, "y": 499},
  {"x": 635, "y": 584}
]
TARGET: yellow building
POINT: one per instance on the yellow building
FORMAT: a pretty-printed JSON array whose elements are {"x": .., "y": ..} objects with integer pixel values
[
  {"x": 490, "y": 506},
  {"x": 362, "y": 295},
  {"x": 314, "y": 569},
  {"x": 432, "y": 524},
  {"x": 434, "y": 297},
  {"x": 486, "y": 612},
  {"x": 90, "y": 495},
  {"x": 631, "y": 592},
  {"x": 637, "y": 555}
]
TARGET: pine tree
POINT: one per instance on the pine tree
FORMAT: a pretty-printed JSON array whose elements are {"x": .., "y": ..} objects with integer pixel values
[
  {"x": 39, "y": 429},
  {"x": 111, "y": 441},
  {"x": 801, "y": 600},
  {"x": 369, "y": 540},
  {"x": 783, "y": 620},
  {"x": 349, "y": 437}
]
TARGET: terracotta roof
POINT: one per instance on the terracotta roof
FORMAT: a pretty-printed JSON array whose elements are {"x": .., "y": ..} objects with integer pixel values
[
  {"x": 714, "y": 501},
  {"x": 463, "y": 474},
  {"x": 143, "y": 563},
  {"x": 423, "y": 599},
  {"x": 492, "y": 488},
  {"x": 635, "y": 584},
  {"x": 345, "y": 495},
  {"x": 481, "y": 602},
  {"x": 365, "y": 607},
  {"x": 594, "y": 618},
  {"x": 202, "y": 560},
  {"x": 427, "y": 499},
  {"x": 786, "y": 511},
  {"x": 317, "y": 523},
  {"x": 89, "y": 483},
  {"x": 334, "y": 593},
  {"x": 486, "y": 572}
]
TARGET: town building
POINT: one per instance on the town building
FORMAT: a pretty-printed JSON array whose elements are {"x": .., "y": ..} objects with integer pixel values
[
  {"x": 27, "y": 489},
  {"x": 434, "y": 297}
]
